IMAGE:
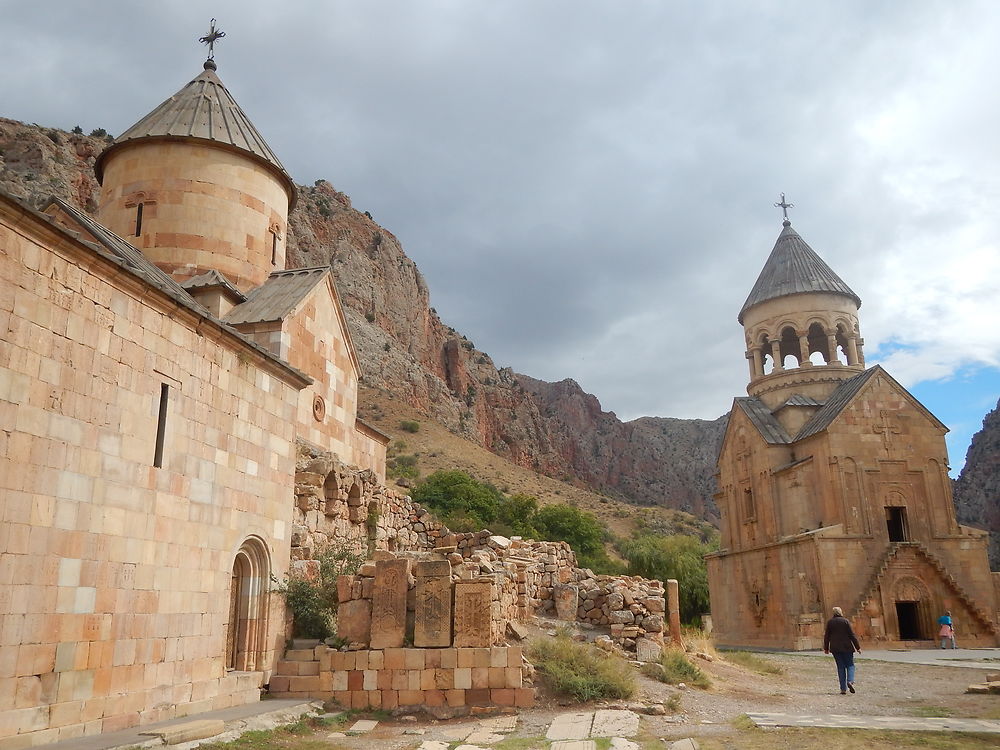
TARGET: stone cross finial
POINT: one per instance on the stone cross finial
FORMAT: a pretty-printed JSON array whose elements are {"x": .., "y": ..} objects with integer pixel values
[
  {"x": 211, "y": 38},
  {"x": 784, "y": 206}
]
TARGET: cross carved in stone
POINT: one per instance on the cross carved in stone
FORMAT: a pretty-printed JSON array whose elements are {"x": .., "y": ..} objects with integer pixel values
[{"x": 888, "y": 427}]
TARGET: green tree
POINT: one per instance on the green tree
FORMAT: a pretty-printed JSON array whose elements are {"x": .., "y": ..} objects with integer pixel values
[
  {"x": 460, "y": 501},
  {"x": 516, "y": 514},
  {"x": 565, "y": 523},
  {"x": 678, "y": 556}
]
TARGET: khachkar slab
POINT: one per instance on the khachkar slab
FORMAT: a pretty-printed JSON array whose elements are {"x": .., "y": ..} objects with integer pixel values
[
  {"x": 473, "y": 601},
  {"x": 432, "y": 618},
  {"x": 389, "y": 603}
]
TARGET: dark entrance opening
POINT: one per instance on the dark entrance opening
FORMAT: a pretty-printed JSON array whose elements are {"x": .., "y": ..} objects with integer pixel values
[
  {"x": 909, "y": 621},
  {"x": 895, "y": 520}
]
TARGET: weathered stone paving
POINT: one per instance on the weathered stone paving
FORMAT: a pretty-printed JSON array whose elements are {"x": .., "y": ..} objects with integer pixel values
[{"x": 906, "y": 723}]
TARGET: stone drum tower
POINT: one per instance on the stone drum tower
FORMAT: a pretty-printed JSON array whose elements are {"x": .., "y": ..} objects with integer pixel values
[{"x": 833, "y": 483}]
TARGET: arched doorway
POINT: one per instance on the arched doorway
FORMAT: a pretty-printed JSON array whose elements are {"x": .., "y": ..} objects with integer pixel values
[
  {"x": 246, "y": 632},
  {"x": 914, "y": 618}
]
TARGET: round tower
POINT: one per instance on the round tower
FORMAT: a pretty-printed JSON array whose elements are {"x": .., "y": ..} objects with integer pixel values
[
  {"x": 195, "y": 187},
  {"x": 801, "y": 325}
]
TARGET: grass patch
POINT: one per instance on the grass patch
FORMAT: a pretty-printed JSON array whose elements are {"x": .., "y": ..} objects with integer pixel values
[
  {"x": 296, "y": 735},
  {"x": 932, "y": 712},
  {"x": 674, "y": 667},
  {"x": 743, "y": 723},
  {"x": 518, "y": 743},
  {"x": 581, "y": 671},
  {"x": 846, "y": 739},
  {"x": 754, "y": 662}
]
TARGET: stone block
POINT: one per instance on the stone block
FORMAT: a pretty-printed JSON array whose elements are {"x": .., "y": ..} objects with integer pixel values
[
  {"x": 388, "y": 614},
  {"x": 503, "y": 697},
  {"x": 394, "y": 658},
  {"x": 478, "y": 697},
  {"x": 524, "y": 697},
  {"x": 567, "y": 598},
  {"x": 414, "y": 658},
  {"x": 498, "y": 656},
  {"x": 188, "y": 731},
  {"x": 411, "y": 697},
  {"x": 449, "y": 658},
  {"x": 473, "y": 607},
  {"x": 464, "y": 658},
  {"x": 463, "y": 678},
  {"x": 514, "y": 677},
  {"x": 376, "y": 660},
  {"x": 455, "y": 698},
  {"x": 434, "y": 697},
  {"x": 481, "y": 657},
  {"x": 480, "y": 677},
  {"x": 514, "y": 654},
  {"x": 354, "y": 621}
]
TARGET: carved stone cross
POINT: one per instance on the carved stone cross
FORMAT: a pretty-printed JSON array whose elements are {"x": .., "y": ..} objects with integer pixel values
[{"x": 888, "y": 427}]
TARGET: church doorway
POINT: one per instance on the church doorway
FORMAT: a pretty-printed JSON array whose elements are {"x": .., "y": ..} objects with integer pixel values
[
  {"x": 246, "y": 632},
  {"x": 908, "y": 615}
]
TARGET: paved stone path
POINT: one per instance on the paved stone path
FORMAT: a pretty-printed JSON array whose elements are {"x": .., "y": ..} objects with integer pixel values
[{"x": 907, "y": 723}]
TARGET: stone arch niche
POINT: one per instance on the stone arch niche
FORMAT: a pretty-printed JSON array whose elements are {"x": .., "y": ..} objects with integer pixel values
[
  {"x": 331, "y": 495},
  {"x": 246, "y": 633},
  {"x": 912, "y": 609}
]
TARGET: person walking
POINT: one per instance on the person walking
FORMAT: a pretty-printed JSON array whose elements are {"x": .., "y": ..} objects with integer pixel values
[
  {"x": 947, "y": 632},
  {"x": 839, "y": 639}
]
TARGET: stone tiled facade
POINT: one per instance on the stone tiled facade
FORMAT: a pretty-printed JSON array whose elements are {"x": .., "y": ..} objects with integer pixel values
[
  {"x": 114, "y": 574},
  {"x": 148, "y": 450},
  {"x": 833, "y": 486}
]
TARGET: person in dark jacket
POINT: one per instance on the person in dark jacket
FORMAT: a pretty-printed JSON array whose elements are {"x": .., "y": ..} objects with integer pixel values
[{"x": 839, "y": 639}]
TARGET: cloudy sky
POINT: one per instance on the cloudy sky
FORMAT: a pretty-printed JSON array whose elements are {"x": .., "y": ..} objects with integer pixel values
[{"x": 588, "y": 186}]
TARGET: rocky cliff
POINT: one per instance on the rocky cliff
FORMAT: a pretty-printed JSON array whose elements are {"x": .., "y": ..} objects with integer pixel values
[
  {"x": 406, "y": 350},
  {"x": 977, "y": 489}
]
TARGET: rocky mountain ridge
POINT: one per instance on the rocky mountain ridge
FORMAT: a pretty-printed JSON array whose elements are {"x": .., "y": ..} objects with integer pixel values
[
  {"x": 977, "y": 489},
  {"x": 407, "y": 351}
]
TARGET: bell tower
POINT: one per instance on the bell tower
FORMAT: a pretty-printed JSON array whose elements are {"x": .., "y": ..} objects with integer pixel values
[
  {"x": 196, "y": 188},
  {"x": 802, "y": 332}
]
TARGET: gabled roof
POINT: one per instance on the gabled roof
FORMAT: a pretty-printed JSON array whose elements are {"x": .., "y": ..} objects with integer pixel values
[
  {"x": 213, "y": 279},
  {"x": 836, "y": 403},
  {"x": 794, "y": 268},
  {"x": 762, "y": 418},
  {"x": 273, "y": 300},
  {"x": 127, "y": 253},
  {"x": 107, "y": 245},
  {"x": 203, "y": 110},
  {"x": 798, "y": 399}
]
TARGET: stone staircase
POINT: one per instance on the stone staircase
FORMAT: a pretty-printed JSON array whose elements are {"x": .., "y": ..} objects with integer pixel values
[{"x": 893, "y": 550}]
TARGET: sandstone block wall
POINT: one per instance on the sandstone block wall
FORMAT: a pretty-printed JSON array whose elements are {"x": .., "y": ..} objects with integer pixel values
[
  {"x": 415, "y": 678},
  {"x": 115, "y": 574}
]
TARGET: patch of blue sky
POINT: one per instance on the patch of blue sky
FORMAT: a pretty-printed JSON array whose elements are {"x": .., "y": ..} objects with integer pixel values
[{"x": 961, "y": 401}]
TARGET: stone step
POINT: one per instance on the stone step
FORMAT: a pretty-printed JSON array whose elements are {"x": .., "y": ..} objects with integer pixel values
[{"x": 189, "y": 731}]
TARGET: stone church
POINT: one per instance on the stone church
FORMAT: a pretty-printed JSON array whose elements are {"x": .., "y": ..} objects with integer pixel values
[
  {"x": 159, "y": 370},
  {"x": 833, "y": 484}
]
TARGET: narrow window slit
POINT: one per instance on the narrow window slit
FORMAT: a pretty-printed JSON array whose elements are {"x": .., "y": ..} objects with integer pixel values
[
  {"x": 161, "y": 425},
  {"x": 138, "y": 219}
]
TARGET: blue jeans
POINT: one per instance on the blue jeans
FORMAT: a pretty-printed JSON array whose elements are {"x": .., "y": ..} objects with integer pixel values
[{"x": 845, "y": 667}]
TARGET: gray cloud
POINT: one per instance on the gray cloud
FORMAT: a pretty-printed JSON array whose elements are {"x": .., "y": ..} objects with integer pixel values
[{"x": 587, "y": 186}]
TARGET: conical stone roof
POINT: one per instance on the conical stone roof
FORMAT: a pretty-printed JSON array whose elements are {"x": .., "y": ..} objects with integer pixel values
[
  {"x": 203, "y": 110},
  {"x": 794, "y": 268}
]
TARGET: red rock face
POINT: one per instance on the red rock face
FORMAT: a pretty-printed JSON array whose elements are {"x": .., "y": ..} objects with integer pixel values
[
  {"x": 978, "y": 486},
  {"x": 404, "y": 348}
]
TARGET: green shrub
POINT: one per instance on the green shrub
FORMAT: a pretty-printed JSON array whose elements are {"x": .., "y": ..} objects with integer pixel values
[
  {"x": 581, "y": 671},
  {"x": 399, "y": 467},
  {"x": 675, "y": 667},
  {"x": 313, "y": 601},
  {"x": 409, "y": 425},
  {"x": 678, "y": 556}
]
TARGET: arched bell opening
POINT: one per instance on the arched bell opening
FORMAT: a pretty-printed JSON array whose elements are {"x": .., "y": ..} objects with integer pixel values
[
  {"x": 246, "y": 631},
  {"x": 789, "y": 349}
]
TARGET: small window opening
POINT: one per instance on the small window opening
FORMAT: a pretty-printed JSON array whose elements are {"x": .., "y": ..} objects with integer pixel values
[
  {"x": 895, "y": 521},
  {"x": 138, "y": 219},
  {"x": 161, "y": 425},
  {"x": 749, "y": 507},
  {"x": 274, "y": 248}
]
